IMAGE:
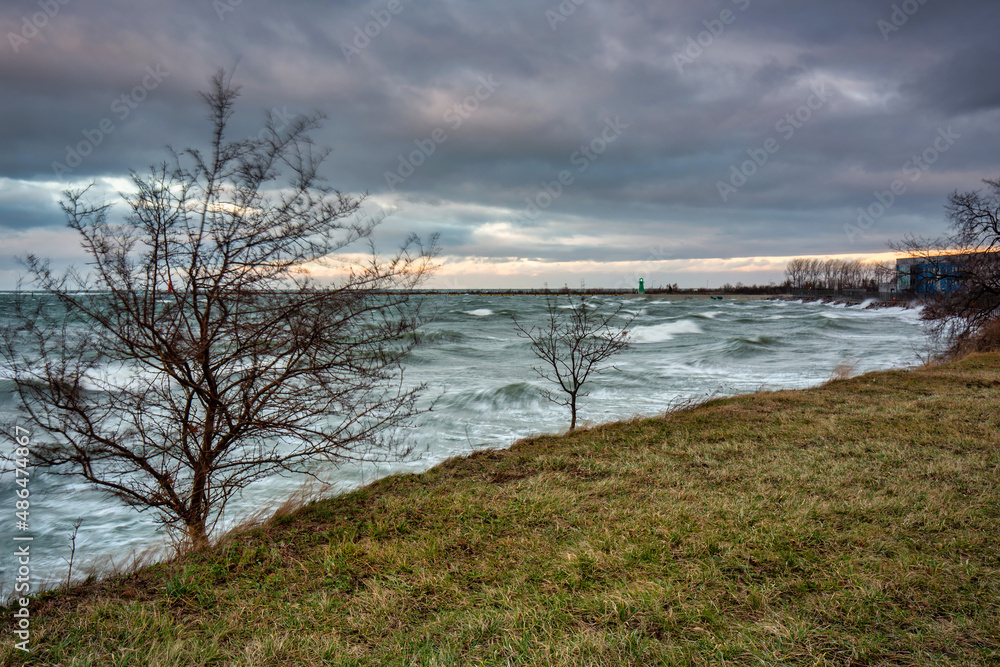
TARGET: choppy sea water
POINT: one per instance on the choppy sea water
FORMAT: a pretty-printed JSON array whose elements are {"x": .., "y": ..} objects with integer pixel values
[{"x": 479, "y": 372}]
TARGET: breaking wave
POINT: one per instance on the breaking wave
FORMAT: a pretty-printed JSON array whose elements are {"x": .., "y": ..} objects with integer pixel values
[{"x": 660, "y": 333}]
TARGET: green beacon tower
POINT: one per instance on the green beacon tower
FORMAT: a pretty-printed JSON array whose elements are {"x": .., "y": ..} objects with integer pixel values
[{"x": 642, "y": 290}]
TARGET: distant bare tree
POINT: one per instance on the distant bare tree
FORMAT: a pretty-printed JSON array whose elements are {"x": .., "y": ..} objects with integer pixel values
[
  {"x": 795, "y": 272},
  {"x": 963, "y": 266},
  {"x": 197, "y": 355},
  {"x": 815, "y": 273},
  {"x": 834, "y": 274},
  {"x": 883, "y": 272},
  {"x": 573, "y": 344}
]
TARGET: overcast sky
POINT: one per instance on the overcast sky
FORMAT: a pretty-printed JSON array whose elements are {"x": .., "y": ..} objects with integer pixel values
[{"x": 588, "y": 140}]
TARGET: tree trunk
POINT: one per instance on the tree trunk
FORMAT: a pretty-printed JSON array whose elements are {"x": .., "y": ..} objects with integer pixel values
[
  {"x": 572, "y": 409},
  {"x": 197, "y": 535}
]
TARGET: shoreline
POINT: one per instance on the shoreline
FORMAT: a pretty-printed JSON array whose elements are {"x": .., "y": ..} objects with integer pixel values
[
  {"x": 825, "y": 509},
  {"x": 503, "y": 399},
  {"x": 873, "y": 304}
]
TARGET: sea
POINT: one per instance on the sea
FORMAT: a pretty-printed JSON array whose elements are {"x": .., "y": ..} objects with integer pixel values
[{"x": 485, "y": 394}]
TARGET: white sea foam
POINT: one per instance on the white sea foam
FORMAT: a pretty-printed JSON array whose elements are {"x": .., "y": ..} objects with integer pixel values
[
  {"x": 659, "y": 333},
  {"x": 478, "y": 371}
]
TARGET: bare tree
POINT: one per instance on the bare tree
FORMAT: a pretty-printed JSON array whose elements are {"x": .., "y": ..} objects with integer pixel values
[
  {"x": 795, "y": 272},
  {"x": 958, "y": 274},
  {"x": 197, "y": 355},
  {"x": 835, "y": 274},
  {"x": 573, "y": 344},
  {"x": 883, "y": 272}
]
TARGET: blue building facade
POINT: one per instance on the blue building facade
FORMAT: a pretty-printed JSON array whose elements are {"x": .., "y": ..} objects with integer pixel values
[{"x": 929, "y": 275}]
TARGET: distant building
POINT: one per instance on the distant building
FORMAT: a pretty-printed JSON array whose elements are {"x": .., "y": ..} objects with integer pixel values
[{"x": 939, "y": 274}]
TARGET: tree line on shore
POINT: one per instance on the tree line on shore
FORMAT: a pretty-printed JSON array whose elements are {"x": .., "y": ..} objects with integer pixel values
[
  {"x": 816, "y": 273},
  {"x": 837, "y": 274}
]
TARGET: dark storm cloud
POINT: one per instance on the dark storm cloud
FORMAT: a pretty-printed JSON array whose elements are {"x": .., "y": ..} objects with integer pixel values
[{"x": 843, "y": 94}]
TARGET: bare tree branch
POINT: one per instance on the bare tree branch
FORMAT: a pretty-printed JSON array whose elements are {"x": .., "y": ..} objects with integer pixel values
[
  {"x": 959, "y": 279},
  {"x": 573, "y": 345},
  {"x": 196, "y": 355}
]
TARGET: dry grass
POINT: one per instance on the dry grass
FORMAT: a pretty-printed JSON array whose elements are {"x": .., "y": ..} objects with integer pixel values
[
  {"x": 986, "y": 339},
  {"x": 843, "y": 371},
  {"x": 854, "y": 523}
]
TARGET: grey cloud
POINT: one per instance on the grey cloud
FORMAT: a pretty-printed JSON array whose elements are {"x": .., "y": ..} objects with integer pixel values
[{"x": 888, "y": 97}]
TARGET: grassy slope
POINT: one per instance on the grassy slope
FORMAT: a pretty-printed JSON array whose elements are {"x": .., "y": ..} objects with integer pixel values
[{"x": 852, "y": 523}]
